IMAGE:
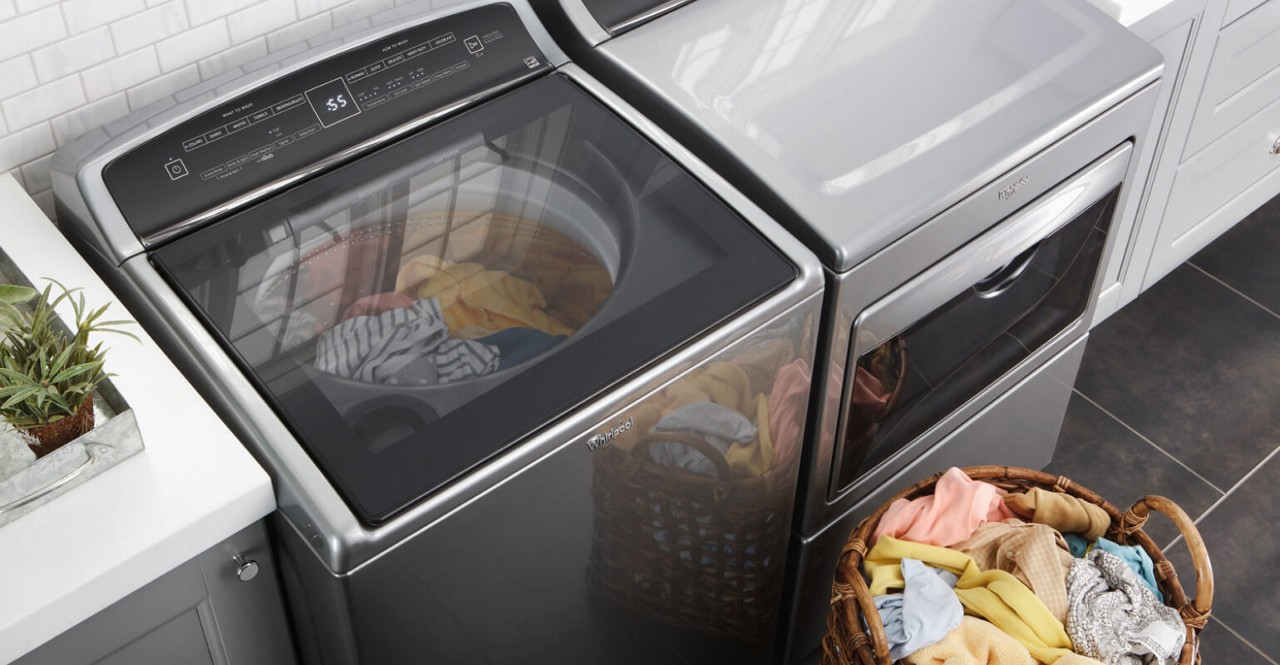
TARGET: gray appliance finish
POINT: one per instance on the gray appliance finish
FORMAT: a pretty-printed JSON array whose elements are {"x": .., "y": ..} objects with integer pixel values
[
  {"x": 957, "y": 167},
  {"x": 429, "y": 532}
]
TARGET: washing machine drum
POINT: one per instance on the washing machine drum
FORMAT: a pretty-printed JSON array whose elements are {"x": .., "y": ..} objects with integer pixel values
[{"x": 415, "y": 312}]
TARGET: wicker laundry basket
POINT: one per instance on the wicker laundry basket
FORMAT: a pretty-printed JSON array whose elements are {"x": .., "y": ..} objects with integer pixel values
[
  {"x": 696, "y": 551},
  {"x": 850, "y": 640}
]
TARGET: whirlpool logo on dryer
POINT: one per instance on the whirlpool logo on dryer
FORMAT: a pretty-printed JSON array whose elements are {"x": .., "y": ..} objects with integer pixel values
[{"x": 603, "y": 439}]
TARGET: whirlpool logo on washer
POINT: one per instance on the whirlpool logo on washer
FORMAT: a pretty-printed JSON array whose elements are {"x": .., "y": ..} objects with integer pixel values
[
  {"x": 603, "y": 439},
  {"x": 1008, "y": 192}
]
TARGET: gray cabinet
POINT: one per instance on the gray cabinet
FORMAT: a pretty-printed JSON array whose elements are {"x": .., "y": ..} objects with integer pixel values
[{"x": 200, "y": 613}]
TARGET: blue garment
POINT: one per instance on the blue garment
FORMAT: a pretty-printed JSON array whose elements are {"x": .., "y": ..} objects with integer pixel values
[
  {"x": 1077, "y": 544},
  {"x": 925, "y": 611},
  {"x": 1137, "y": 559},
  {"x": 517, "y": 345},
  {"x": 1134, "y": 556}
]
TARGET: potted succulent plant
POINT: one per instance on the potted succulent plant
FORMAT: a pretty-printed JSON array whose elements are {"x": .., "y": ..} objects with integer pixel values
[{"x": 47, "y": 377}]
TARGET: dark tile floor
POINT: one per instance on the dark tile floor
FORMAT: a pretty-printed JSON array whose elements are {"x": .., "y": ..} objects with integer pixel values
[{"x": 1179, "y": 395}]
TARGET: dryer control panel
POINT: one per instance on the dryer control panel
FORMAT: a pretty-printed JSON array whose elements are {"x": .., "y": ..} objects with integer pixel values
[{"x": 317, "y": 112}]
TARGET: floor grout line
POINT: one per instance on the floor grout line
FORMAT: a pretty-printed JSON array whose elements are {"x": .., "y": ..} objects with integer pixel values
[
  {"x": 1228, "y": 493},
  {"x": 1234, "y": 290},
  {"x": 1149, "y": 441},
  {"x": 1244, "y": 640}
]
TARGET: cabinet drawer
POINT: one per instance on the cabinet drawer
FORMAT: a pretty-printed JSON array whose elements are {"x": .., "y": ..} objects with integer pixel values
[
  {"x": 1243, "y": 77},
  {"x": 1217, "y": 174},
  {"x": 1238, "y": 8}
]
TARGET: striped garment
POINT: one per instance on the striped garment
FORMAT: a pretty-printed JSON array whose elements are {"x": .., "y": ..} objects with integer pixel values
[{"x": 409, "y": 346}]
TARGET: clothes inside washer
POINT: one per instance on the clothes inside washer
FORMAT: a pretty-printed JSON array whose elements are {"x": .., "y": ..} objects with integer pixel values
[
  {"x": 408, "y": 346},
  {"x": 572, "y": 279},
  {"x": 475, "y": 300},
  {"x": 377, "y": 304},
  {"x": 517, "y": 345}
]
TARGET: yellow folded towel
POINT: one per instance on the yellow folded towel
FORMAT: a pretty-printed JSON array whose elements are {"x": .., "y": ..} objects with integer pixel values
[
  {"x": 978, "y": 642},
  {"x": 975, "y": 642},
  {"x": 994, "y": 595},
  {"x": 1061, "y": 511}
]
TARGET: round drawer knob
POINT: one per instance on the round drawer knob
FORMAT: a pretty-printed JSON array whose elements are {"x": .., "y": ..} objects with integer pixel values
[
  {"x": 246, "y": 569},
  {"x": 1275, "y": 147}
]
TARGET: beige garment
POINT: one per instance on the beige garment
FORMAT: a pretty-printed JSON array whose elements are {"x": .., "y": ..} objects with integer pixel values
[
  {"x": 1034, "y": 553},
  {"x": 978, "y": 642},
  {"x": 1061, "y": 511}
]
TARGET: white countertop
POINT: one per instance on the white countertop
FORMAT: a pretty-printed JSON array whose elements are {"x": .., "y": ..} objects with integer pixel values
[
  {"x": 193, "y": 486},
  {"x": 1128, "y": 12}
]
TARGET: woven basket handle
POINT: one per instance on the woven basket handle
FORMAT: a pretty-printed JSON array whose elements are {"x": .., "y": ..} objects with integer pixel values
[
  {"x": 1196, "y": 610},
  {"x": 641, "y": 450}
]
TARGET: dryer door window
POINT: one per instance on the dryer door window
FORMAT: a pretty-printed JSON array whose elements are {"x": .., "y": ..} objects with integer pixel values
[
  {"x": 419, "y": 310},
  {"x": 928, "y": 348}
]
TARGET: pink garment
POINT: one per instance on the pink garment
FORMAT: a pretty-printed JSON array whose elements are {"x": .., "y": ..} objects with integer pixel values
[
  {"x": 377, "y": 304},
  {"x": 787, "y": 402},
  {"x": 868, "y": 393},
  {"x": 958, "y": 506}
]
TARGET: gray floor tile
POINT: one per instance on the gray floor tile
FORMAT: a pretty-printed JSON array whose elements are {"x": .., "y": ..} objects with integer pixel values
[
  {"x": 1248, "y": 256},
  {"x": 1104, "y": 456},
  {"x": 1218, "y": 645},
  {"x": 1244, "y": 547},
  {"x": 1195, "y": 369}
]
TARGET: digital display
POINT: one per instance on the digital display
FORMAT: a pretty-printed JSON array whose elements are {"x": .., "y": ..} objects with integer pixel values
[
  {"x": 332, "y": 102},
  {"x": 305, "y": 117}
]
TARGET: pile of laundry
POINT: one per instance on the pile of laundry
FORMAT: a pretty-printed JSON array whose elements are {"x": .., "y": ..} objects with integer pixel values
[
  {"x": 445, "y": 322},
  {"x": 749, "y": 408},
  {"x": 972, "y": 574}
]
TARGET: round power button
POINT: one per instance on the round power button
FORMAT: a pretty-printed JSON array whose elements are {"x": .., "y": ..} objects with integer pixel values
[{"x": 176, "y": 169}]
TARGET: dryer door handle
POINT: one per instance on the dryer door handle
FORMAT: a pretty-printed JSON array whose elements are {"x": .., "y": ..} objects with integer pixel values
[{"x": 1007, "y": 275}]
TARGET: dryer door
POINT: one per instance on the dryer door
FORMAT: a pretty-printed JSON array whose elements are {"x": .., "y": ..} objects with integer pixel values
[{"x": 416, "y": 312}]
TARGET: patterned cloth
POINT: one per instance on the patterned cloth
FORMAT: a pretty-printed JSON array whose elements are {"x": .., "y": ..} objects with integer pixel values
[
  {"x": 1115, "y": 618},
  {"x": 957, "y": 507},
  {"x": 1034, "y": 553},
  {"x": 925, "y": 611},
  {"x": 402, "y": 346},
  {"x": 1061, "y": 511},
  {"x": 1134, "y": 555}
]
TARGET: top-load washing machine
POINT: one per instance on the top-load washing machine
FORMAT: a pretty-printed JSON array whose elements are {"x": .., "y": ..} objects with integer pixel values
[
  {"x": 530, "y": 379},
  {"x": 957, "y": 167}
]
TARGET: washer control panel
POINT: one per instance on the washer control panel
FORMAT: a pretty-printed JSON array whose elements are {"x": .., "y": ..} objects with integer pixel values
[{"x": 316, "y": 112}]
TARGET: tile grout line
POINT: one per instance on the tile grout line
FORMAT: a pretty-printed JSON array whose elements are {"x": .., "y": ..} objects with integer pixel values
[
  {"x": 1244, "y": 640},
  {"x": 1234, "y": 290},
  {"x": 1149, "y": 441},
  {"x": 1229, "y": 492}
]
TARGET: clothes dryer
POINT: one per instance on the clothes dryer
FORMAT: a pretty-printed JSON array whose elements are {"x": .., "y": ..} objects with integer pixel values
[
  {"x": 530, "y": 379},
  {"x": 957, "y": 168}
]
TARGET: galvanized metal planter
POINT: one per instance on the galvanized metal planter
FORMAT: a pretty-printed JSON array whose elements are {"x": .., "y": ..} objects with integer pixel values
[{"x": 114, "y": 438}]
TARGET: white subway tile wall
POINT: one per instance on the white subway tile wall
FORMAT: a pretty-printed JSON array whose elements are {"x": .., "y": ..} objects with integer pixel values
[{"x": 69, "y": 66}]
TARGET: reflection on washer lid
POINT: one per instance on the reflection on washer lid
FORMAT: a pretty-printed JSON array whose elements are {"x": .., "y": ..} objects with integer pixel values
[{"x": 429, "y": 305}]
